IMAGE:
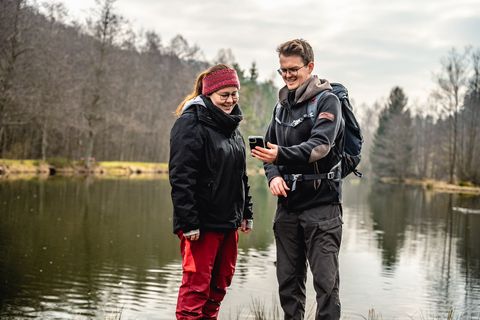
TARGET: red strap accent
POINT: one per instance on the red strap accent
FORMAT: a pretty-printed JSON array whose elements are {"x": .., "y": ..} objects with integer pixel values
[{"x": 326, "y": 115}]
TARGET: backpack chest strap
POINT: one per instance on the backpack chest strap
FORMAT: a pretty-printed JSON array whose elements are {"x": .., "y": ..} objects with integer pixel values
[
  {"x": 311, "y": 112},
  {"x": 295, "y": 122},
  {"x": 333, "y": 174}
]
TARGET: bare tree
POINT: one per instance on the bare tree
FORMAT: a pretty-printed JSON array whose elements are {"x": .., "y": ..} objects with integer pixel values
[
  {"x": 153, "y": 43},
  {"x": 470, "y": 117},
  {"x": 91, "y": 90},
  {"x": 368, "y": 120},
  {"x": 225, "y": 56},
  {"x": 50, "y": 78},
  {"x": 180, "y": 47},
  {"x": 12, "y": 46},
  {"x": 105, "y": 30},
  {"x": 451, "y": 82}
]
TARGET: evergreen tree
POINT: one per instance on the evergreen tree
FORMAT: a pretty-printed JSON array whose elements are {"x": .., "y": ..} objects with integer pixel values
[
  {"x": 253, "y": 72},
  {"x": 393, "y": 142}
]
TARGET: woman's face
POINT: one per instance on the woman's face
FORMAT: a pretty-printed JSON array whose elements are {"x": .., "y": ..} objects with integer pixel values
[{"x": 225, "y": 99}]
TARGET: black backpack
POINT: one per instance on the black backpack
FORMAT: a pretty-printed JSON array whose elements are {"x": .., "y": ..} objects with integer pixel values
[{"x": 353, "y": 136}]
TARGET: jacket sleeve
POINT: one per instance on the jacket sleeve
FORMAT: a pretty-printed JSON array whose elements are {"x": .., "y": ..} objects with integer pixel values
[
  {"x": 271, "y": 169},
  {"x": 322, "y": 137},
  {"x": 247, "y": 209},
  {"x": 186, "y": 146}
]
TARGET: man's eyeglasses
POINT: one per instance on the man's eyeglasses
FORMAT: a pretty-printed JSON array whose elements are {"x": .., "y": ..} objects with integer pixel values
[
  {"x": 292, "y": 71},
  {"x": 226, "y": 95}
]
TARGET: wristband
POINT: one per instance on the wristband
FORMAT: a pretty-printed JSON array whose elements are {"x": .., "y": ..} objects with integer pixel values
[{"x": 191, "y": 233}]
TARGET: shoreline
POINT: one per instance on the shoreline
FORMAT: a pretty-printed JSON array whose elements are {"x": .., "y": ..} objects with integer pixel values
[
  {"x": 434, "y": 185},
  {"x": 19, "y": 169},
  {"x": 30, "y": 168},
  {"x": 67, "y": 168}
]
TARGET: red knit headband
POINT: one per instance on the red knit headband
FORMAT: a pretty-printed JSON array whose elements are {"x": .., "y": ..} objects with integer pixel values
[{"x": 218, "y": 80}]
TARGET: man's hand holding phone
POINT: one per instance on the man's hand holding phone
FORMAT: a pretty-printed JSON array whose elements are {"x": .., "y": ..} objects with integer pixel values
[
  {"x": 264, "y": 153},
  {"x": 256, "y": 141},
  {"x": 278, "y": 186}
]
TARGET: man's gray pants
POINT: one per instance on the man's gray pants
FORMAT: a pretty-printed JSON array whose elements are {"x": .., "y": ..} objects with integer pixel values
[{"x": 312, "y": 235}]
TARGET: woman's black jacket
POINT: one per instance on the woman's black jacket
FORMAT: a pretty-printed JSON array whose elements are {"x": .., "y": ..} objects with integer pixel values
[{"x": 207, "y": 169}]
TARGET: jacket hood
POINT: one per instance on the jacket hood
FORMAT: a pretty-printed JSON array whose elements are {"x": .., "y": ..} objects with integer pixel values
[
  {"x": 306, "y": 91},
  {"x": 196, "y": 100},
  {"x": 209, "y": 114}
]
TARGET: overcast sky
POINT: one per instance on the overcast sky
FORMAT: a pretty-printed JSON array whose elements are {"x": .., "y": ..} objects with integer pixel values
[{"x": 368, "y": 45}]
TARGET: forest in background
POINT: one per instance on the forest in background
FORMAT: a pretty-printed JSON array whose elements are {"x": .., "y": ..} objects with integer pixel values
[
  {"x": 442, "y": 140},
  {"x": 101, "y": 90}
]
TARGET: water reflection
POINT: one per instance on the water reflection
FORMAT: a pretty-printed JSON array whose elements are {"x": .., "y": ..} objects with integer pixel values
[
  {"x": 76, "y": 248},
  {"x": 82, "y": 243},
  {"x": 414, "y": 224}
]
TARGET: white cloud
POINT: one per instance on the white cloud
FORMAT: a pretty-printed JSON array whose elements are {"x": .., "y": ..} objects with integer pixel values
[{"x": 370, "y": 45}]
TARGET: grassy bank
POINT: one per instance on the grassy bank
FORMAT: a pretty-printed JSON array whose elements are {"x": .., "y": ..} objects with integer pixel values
[
  {"x": 259, "y": 311},
  {"x": 65, "y": 167},
  {"x": 436, "y": 185}
]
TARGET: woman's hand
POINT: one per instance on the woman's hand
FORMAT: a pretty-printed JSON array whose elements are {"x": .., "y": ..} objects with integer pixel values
[
  {"x": 246, "y": 225},
  {"x": 192, "y": 235},
  {"x": 266, "y": 155}
]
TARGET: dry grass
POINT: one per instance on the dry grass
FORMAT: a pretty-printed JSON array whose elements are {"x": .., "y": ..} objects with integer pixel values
[
  {"x": 436, "y": 185},
  {"x": 260, "y": 311},
  {"x": 129, "y": 168},
  {"x": 27, "y": 168}
]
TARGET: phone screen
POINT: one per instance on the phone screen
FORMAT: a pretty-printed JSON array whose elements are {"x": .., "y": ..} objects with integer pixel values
[{"x": 256, "y": 141}]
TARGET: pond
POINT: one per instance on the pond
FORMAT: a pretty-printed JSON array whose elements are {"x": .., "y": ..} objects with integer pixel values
[{"x": 75, "y": 248}]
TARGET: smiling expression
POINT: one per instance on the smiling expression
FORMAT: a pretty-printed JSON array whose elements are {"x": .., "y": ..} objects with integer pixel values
[
  {"x": 293, "y": 80},
  {"x": 225, "y": 99}
]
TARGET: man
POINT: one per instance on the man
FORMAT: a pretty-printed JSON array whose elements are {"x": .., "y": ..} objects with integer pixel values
[{"x": 302, "y": 165}]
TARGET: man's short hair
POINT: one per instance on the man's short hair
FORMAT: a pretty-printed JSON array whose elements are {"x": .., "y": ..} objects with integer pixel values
[{"x": 297, "y": 47}]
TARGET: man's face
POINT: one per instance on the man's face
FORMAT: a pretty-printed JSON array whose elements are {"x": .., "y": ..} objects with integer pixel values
[{"x": 294, "y": 71}]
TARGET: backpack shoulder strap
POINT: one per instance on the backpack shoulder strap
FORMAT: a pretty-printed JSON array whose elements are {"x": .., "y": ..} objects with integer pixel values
[
  {"x": 277, "y": 110},
  {"x": 313, "y": 104},
  {"x": 311, "y": 110},
  {"x": 294, "y": 123}
]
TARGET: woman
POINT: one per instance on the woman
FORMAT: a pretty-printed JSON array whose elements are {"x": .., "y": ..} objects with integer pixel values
[{"x": 209, "y": 190}]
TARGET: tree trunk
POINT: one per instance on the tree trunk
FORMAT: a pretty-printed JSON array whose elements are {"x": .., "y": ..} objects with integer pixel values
[
  {"x": 44, "y": 140},
  {"x": 2, "y": 129},
  {"x": 454, "y": 150},
  {"x": 89, "y": 149}
]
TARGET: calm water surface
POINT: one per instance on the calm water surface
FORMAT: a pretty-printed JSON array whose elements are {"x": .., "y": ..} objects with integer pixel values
[{"x": 94, "y": 249}]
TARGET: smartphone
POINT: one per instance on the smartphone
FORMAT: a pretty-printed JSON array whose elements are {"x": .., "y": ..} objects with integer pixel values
[{"x": 256, "y": 141}]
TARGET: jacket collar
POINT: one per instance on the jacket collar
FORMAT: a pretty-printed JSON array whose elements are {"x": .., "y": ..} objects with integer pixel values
[
  {"x": 212, "y": 116},
  {"x": 306, "y": 91},
  {"x": 197, "y": 100}
]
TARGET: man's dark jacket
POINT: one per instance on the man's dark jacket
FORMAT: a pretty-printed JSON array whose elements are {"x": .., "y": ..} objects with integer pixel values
[
  {"x": 312, "y": 147},
  {"x": 207, "y": 169}
]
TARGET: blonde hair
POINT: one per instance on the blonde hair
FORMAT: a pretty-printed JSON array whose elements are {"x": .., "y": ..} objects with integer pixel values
[{"x": 197, "y": 87}]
